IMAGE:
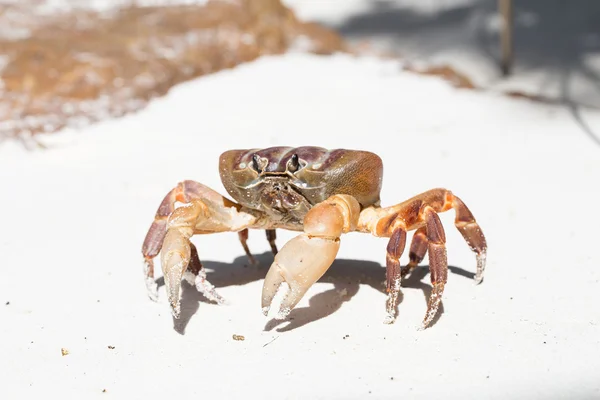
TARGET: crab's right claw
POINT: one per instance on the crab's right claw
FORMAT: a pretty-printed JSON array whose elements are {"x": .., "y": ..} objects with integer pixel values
[{"x": 299, "y": 264}]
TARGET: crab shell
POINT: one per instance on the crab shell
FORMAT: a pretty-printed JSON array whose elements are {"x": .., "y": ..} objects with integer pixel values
[{"x": 321, "y": 173}]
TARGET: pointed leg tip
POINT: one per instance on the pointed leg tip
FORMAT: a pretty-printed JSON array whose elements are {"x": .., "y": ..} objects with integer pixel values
[
  {"x": 208, "y": 289},
  {"x": 265, "y": 310},
  {"x": 389, "y": 319},
  {"x": 152, "y": 289},
  {"x": 481, "y": 261},
  {"x": 153, "y": 296},
  {"x": 223, "y": 301},
  {"x": 433, "y": 304},
  {"x": 426, "y": 324},
  {"x": 151, "y": 286}
]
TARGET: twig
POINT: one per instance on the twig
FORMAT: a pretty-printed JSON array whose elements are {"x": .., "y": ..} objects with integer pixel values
[{"x": 272, "y": 340}]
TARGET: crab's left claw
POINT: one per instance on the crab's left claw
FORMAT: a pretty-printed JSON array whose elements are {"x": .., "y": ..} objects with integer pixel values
[{"x": 305, "y": 258}]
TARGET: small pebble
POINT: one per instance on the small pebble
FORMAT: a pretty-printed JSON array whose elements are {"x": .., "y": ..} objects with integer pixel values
[
  {"x": 64, "y": 351},
  {"x": 238, "y": 337}
]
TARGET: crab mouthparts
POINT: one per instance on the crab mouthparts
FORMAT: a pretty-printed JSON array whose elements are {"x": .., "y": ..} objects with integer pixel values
[{"x": 281, "y": 198}]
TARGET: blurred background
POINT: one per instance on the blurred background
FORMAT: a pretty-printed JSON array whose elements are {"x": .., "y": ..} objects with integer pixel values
[{"x": 71, "y": 62}]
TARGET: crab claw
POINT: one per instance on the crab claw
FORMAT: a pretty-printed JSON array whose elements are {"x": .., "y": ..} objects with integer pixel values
[
  {"x": 175, "y": 258},
  {"x": 174, "y": 267},
  {"x": 299, "y": 264}
]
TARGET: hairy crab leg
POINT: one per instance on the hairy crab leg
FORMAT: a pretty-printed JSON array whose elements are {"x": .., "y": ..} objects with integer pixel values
[
  {"x": 395, "y": 248},
  {"x": 306, "y": 257},
  {"x": 438, "y": 262},
  {"x": 379, "y": 221},
  {"x": 471, "y": 232}
]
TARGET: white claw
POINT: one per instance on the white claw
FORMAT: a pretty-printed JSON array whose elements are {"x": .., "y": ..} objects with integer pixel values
[
  {"x": 300, "y": 263},
  {"x": 173, "y": 285}
]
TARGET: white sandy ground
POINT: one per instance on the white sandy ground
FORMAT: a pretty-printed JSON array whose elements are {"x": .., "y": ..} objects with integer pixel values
[
  {"x": 556, "y": 42},
  {"x": 74, "y": 217}
]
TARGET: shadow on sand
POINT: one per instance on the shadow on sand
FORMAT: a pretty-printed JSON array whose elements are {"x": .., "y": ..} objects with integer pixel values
[
  {"x": 559, "y": 38},
  {"x": 346, "y": 275}
]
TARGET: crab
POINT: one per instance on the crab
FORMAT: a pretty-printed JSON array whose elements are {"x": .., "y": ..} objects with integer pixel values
[{"x": 320, "y": 193}]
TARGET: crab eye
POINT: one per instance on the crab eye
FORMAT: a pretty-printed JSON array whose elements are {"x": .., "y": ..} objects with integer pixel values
[
  {"x": 256, "y": 163},
  {"x": 294, "y": 163}
]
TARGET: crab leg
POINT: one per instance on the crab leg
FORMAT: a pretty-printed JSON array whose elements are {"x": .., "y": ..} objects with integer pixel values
[
  {"x": 195, "y": 275},
  {"x": 395, "y": 248},
  {"x": 380, "y": 222},
  {"x": 203, "y": 211},
  {"x": 271, "y": 237},
  {"x": 420, "y": 213},
  {"x": 418, "y": 249},
  {"x": 305, "y": 258},
  {"x": 243, "y": 236},
  {"x": 438, "y": 262},
  {"x": 471, "y": 232}
]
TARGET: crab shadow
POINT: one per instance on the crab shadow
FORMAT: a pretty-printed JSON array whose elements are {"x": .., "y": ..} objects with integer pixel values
[{"x": 346, "y": 275}]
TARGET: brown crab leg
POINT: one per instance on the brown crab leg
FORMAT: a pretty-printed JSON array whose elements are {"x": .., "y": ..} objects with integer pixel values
[
  {"x": 438, "y": 262},
  {"x": 243, "y": 235},
  {"x": 272, "y": 237},
  {"x": 471, "y": 232},
  {"x": 395, "y": 248},
  {"x": 306, "y": 257},
  {"x": 418, "y": 249}
]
